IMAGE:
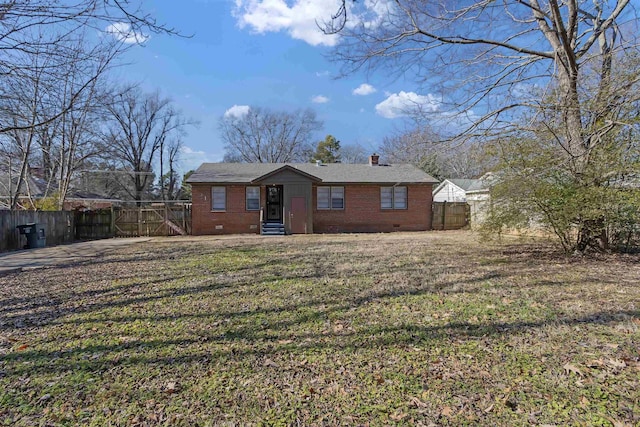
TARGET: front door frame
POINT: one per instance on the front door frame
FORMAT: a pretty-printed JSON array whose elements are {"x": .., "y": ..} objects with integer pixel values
[{"x": 274, "y": 208}]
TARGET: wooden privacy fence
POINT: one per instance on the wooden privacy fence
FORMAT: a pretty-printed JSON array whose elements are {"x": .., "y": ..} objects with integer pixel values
[
  {"x": 134, "y": 222},
  {"x": 68, "y": 226},
  {"x": 59, "y": 227},
  {"x": 96, "y": 224},
  {"x": 449, "y": 216},
  {"x": 152, "y": 221}
]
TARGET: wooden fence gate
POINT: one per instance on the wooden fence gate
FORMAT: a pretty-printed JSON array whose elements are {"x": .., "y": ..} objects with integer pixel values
[
  {"x": 152, "y": 221},
  {"x": 133, "y": 222},
  {"x": 449, "y": 216},
  {"x": 96, "y": 224}
]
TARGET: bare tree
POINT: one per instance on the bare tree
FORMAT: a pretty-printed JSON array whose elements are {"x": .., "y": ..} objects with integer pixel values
[
  {"x": 265, "y": 136},
  {"x": 76, "y": 133},
  {"x": 139, "y": 126},
  {"x": 424, "y": 148},
  {"x": 170, "y": 181},
  {"x": 353, "y": 153},
  {"x": 44, "y": 27},
  {"x": 488, "y": 56},
  {"x": 506, "y": 65},
  {"x": 49, "y": 69},
  {"x": 49, "y": 102},
  {"x": 27, "y": 95}
]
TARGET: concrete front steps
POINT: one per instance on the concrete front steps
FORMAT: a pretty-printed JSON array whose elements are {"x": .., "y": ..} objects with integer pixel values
[{"x": 272, "y": 229}]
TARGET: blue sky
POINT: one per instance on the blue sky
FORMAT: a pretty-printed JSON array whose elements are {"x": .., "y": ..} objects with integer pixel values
[{"x": 265, "y": 53}]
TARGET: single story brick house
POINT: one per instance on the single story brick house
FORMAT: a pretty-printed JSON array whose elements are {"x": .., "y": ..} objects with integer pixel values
[{"x": 272, "y": 198}]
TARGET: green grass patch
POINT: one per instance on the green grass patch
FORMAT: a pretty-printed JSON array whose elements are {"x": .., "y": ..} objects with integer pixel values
[{"x": 393, "y": 329}]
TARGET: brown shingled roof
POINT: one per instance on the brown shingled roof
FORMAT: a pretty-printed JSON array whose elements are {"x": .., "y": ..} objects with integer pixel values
[{"x": 332, "y": 173}]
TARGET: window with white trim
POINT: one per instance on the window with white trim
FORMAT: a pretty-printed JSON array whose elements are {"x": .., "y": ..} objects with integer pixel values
[
  {"x": 218, "y": 198},
  {"x": 393, "y": 197},
  {"x": 253, "y": 198},
  {"x": 330, "y": 198}
]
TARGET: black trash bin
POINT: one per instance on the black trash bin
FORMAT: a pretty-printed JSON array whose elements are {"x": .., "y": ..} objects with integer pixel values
[{"x": 35, "y": 235}]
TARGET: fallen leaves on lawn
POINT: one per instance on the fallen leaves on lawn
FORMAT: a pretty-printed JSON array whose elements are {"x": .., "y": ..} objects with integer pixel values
[
  {"x": 446, "y": 411},
  {"x": 418, "y": 403},
  {"x": 618, "y": 364},
  {"x": 269, "y": 362},
  {"x": 568, "y": 368},
  {"x": 171, "y": 387}
]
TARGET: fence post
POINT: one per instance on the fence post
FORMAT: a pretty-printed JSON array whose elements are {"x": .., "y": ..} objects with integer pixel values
[
  {"x": 112, "y": 226},
  {"x": 184, "y": 218},
  {"x": 444, "y": 215},
  {"x": 165, "y": 227}
]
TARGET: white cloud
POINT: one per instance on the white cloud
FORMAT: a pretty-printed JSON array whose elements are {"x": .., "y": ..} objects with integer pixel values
[
  {"x": 237, "y": 111},
  {"x": 324, "y": 73},
  {"x": 404, "y": 103},
  {"x": 364, "y": 89},
  {"x": 319, "y": 99},
  {"x": 123, "y": 32},
  {"x": 300, "y": 18}
]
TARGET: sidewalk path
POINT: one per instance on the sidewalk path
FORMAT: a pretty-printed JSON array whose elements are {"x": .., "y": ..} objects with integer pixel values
[{"x": 11, "y": 262}]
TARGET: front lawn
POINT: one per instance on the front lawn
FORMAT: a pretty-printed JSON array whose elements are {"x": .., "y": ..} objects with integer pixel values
[{"x": 381, "y": 329}]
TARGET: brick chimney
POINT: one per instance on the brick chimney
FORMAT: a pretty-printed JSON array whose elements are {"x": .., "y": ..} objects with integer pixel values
[{"x": 373, "y": 159}]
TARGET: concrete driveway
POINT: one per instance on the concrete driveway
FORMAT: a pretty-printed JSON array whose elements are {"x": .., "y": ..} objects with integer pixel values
[{"x": 11, "y": 262}]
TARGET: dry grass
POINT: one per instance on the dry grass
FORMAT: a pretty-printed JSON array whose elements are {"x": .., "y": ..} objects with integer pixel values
[{"x": 407, "y": 328}]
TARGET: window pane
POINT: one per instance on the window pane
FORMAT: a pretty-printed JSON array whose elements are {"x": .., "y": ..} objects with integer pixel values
[
  {"x": 323, "y": 197},
  {"x": 400, "y": 197},
  {"x": 218, "y": 198},
  {"x": 337, "y": 197},
  {"x": 253, "y": 198},
  {"x": 386, "y": 197}
]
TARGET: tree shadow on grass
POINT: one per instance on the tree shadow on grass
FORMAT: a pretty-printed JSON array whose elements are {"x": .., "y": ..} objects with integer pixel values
[
  {"x": 331, "y": 305},
  {"x": 242, "y": 343},
  {"x": 40, "y": 306},
  {"x": 18, "y": 312},
  {"x": 246, "y": 336}
]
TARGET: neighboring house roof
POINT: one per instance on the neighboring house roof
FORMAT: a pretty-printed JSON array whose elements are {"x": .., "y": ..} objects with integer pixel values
[
  {"x": 483, "y": 184},
  {"x": 87, "y": 195},
  {"x": 479, "y": 185},
  {"x": 31, "y": 183},
  {"x": 464, "y": 184},
  {"x": 332, "y": 173}
]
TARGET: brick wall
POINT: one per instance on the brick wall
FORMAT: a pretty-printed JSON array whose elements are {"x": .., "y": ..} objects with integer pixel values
[
  {"x": 362, "y": 212},
  {"x": 236, "y": 219}
]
